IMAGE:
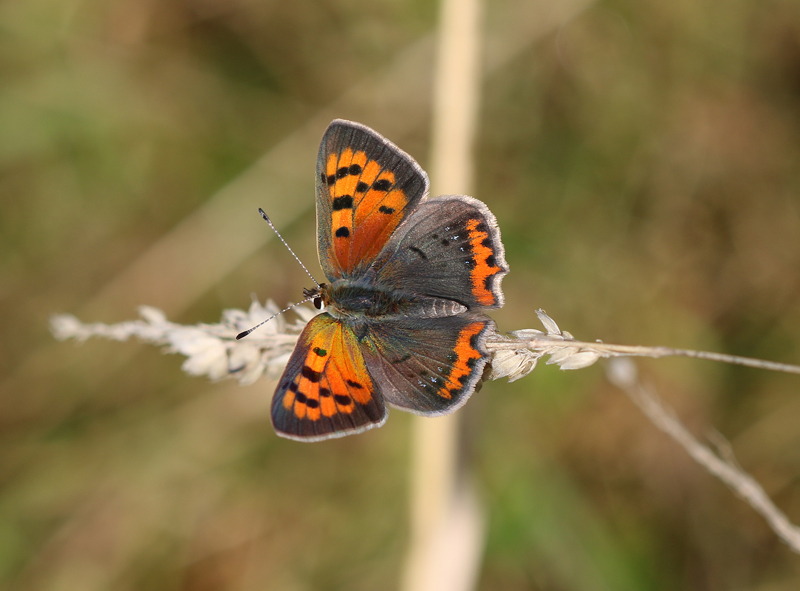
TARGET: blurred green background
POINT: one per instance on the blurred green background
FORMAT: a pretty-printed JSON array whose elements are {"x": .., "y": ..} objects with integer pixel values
[{"x": 643, "y": 161}]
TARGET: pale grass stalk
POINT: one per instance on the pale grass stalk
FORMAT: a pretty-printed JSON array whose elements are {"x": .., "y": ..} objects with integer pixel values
[
  {"x": 622, "y": 373},
  {"x": 438, "y": 519},
  {"x": 212, "y": 350},
  {"x": 609, "y": 350},
  {"x": 436, "y": 486},
  {"x": 516, "y": 355}
]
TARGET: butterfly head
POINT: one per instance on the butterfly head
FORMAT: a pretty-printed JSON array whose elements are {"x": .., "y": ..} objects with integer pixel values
[{"x": 319, "y": 295}]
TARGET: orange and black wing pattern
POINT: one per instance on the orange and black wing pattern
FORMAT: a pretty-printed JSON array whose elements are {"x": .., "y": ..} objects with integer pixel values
[
  {"x": 429, "y": 366},
  {"x": 325, "y": 390},
  {"x": 366, "y": 186}
]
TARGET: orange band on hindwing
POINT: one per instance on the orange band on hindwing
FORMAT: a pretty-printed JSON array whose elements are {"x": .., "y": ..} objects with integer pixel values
[
  {"x": 484, "y": 264},
  {"x": 466, "y": 353}
]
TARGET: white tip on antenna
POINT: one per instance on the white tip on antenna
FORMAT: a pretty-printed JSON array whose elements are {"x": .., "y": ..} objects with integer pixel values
[{"x": 244, "y": 333}]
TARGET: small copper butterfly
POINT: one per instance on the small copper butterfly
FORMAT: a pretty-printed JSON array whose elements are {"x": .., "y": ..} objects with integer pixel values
[{"x": 409, "y": 278}]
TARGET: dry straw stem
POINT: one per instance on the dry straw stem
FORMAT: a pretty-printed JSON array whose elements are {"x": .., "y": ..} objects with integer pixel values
[
  {"x": 525, "y": 347},
  {"x": 212, "y": 350},
  {"x": 436, "y": 479},
  {"x": 622, "y": 373}
]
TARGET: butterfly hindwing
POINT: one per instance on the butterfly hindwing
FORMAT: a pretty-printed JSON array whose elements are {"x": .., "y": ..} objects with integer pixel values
[
  {"x": 450, "y": 248},
  {"x": 429, "y": 366},
  {"x": 366, "y": 186},
  {"x": 325, "y": 390}
]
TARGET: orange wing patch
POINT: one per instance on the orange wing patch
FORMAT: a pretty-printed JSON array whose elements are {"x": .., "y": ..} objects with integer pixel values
[
  {"x": 332, "y": 380},
  {"x": 366, "y": 206},
  {"x": 466, "y": 354},
  {"x": 485, "y": 266}
]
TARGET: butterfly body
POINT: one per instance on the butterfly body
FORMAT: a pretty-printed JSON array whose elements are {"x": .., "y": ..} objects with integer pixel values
[
  {"x": 354, "y": 302},
  {"x": 409, "y": 278}
]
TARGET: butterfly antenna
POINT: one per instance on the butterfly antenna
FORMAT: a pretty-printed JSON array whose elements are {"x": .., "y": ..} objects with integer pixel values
[
  {"x": 243, "y": 334},
  {"x": 274, "y": 229}
]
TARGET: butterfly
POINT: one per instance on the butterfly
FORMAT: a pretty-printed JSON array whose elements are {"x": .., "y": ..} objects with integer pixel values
[{"x": 409, "y": 280}]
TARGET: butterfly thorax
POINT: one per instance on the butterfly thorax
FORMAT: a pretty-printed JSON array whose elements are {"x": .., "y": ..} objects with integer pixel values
[{"x": 346, "y": 298}]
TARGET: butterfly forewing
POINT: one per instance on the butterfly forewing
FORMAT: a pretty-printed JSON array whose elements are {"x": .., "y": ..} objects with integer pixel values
[
  {"x": 366, "y": 186},
  {"x": 325, "y": 390}
]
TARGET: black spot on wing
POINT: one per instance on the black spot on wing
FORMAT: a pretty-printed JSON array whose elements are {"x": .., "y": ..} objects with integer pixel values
[
  {"x": 342, "y": 232},
  {"x": 310, "y": 374},
  {"x": 473, "y": 341},
  {"x": 418, "y": 252},
  {"x": 343, "y": 202}
]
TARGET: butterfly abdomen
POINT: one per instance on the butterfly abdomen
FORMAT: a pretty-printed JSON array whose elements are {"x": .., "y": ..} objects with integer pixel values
[{"x": 349, "y": 299}]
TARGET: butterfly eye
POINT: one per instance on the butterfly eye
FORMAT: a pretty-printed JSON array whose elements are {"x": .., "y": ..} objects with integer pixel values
[{"x": 318, "y": 303}]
